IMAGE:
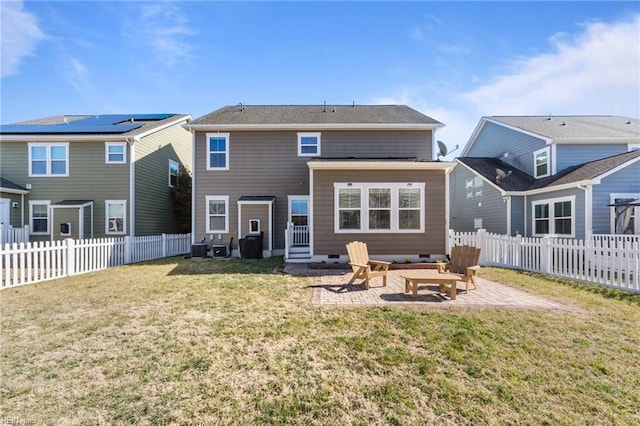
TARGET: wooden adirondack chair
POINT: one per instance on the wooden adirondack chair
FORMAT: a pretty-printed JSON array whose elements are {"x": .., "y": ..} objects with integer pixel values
[
  {"x": 464, "y": 262},
  {"x": 363, "y": 267}
]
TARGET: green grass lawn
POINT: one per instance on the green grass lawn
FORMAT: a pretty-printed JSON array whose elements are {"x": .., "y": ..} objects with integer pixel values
[{"x": 235, "y": 342}]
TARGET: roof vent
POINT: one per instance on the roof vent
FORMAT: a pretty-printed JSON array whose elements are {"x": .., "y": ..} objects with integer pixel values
[
  {"x": 564, "y": 123},
  {"x": 334, "y": 109},
  {"x": 628, "y": 122},
  {"x": 241, "y": 105}
]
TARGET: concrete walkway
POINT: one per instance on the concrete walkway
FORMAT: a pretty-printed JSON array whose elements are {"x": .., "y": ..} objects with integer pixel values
[{"x": 331, "y": 289}]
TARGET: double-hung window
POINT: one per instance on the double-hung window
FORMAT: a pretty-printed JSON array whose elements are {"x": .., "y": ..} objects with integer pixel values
[
  {"x": 217, "y": 214},
  {"x": 174, "y": 170},
  {"x": 48, "y": 159},
  {"x": 115, "y": 216},
  {"x": 379, "y": 207},
  {"x": 115, "y": 153},
  {"x": 39, "y": 217},
  {"x": 217, "y": 151},
  {"x": 308, "y": 144},
  {"x": 554, "y": 217},
  {"x": 541, "y": 163}
]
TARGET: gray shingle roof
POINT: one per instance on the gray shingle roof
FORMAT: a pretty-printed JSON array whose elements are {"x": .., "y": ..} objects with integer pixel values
[
  {"x": 521, "y": 181},
  {"x": 7, "y": 184},
  {"x": 576, "y": 127},
  {"x": 315, "y": 114}
]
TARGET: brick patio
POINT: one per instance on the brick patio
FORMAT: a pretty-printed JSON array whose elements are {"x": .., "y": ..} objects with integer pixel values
[{"x": 330, "y": 288}]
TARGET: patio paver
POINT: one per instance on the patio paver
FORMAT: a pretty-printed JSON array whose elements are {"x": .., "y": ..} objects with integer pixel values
[{"x": 331, "y": 289}]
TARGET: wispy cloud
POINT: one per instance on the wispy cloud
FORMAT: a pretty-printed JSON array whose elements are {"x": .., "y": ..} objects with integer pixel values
[
  {"x": 163, "y": 28},
  {"x": 78, "y": 76},
  {"x": 20, "y": 36},
  {"x": 594, "y": 71}
]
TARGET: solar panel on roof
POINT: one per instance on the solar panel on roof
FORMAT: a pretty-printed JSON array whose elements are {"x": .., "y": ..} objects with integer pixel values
[{"x": 109, "y": 123}]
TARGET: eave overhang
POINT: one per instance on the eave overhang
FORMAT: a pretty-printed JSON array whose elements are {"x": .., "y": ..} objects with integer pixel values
[
  {"x": 310, "y": 126},
  {"x": 379, "y": 165}
]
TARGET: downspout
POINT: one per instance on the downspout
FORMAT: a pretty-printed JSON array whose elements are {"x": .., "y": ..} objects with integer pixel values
[
  {"x": 525, "y": 216},
  {"x": 447, "y": 172},
  {"x": 132, "y": 187},
  {"x": 507, "y": 199},
  {"x": 193, "y": 188}
]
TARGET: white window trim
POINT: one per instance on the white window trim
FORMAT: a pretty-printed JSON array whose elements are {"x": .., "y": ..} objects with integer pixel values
[
  {"x": 227, "y": 146},
  {"x": 317, "y": 135},
  {"x": 612, "y": 214},
  {"x": 171, "y": 162},
  {"x": 106, "y": 217},
  {"x": 535, "y": 165},
  {"x": 106, "y": 152},
  {"x": 224, "y": 198},
  {"x": 48, "y": 146},
  {"x": 552, "y": 224},
  {"x": 364, "y": 207},
  {"x": 31, "y": 227}
]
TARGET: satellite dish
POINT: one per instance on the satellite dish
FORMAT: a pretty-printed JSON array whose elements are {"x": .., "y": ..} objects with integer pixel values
[
  {"x": 443, "y": 149},
  {"x": 500, "y": 174}
]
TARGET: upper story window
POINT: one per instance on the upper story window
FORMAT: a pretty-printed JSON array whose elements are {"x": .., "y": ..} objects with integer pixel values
[
  {"x": 308, "y": 144},
  {"x": 379, "y": 207},
  {"x": 115, "y": 153},
  {"x": 39, "y": 217},
  {"x": 217, "y": 214},
  {"x": 174, "y": 169},
  {"x": 541, "y": 163},
  {"x": 556, "y": 217},
  {"x": 49, "y": 159},
  {"x": 217, "y": 151}
]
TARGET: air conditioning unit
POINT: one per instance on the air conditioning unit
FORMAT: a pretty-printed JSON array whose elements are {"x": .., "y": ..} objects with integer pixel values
[{"x": 220, "y": 250}]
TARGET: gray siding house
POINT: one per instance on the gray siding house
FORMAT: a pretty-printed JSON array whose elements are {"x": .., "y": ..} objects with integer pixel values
[
  {"x": 570, "y": 176},
  {"x": 310, "y": 179},
  {"x": 86, "y": 176}
]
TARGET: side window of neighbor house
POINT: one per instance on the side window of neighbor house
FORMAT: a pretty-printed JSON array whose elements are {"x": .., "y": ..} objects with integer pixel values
[
  {"x": 49, "y": 159},
  {"x": 174, "y": 169},
  {"x": 217, "y": 151},
  {"x": 116, "y": 216},
  {"x": 308, "y": 144},
  {"x": 217, "y": 214},
  {"x": 39, "y": 217},
  {"x": 115, "y": 153},
  {"x": 541, "y": 163},
  {"x": 555, "y": 217}
]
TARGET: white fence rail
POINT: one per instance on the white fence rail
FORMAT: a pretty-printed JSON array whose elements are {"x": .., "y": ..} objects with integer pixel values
[
  {"x": 609, "y": 260},
  {"x": 10, "y": 235},
  {"x": 27, "y": 263}
]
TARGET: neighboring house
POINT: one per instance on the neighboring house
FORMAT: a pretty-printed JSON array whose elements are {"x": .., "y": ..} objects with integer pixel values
[
  {"x": 570, "y": 176},
  {"x": 310, "y": 179},
  {"x": 86, "y": 176}
]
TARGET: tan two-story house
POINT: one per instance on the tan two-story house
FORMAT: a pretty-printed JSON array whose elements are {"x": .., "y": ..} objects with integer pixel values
[{"x": 305, "y": 180}]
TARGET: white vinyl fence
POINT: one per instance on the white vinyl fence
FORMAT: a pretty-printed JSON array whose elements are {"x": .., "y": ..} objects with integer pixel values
[
  {"x": 27, "y": 263},
  {"x": 608, "y": 260},
  {"x": 10, "y": 235}
]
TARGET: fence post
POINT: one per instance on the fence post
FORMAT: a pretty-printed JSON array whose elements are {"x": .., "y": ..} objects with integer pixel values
[
  {"x": 71, "y": 256},
  {"x": 517, "y": 259},
  {"x": 164, "y": 245},
  {"x": 481, "y": 243},
  {"x": 127, "y": 249},
  {"x": 545, "y": 254}
]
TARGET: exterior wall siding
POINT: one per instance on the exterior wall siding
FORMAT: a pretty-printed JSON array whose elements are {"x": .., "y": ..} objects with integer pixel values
[
  {"x": 626, "y": 180},
  {"x": 517, "y": 215},
  {"x": 568, "y": 155},
  {"x": 153, "y": 204},
  {"x": 495, "y": 140},
  {"x": 266, "y": 163},
  {"x": 89, "y": 179},
  {"x": 473, "y": 198},
  {"x": 431, "y": 241}
]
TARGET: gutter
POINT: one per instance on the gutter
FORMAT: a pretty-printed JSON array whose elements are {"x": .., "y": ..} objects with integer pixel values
[{"x": 313, "y": 126}]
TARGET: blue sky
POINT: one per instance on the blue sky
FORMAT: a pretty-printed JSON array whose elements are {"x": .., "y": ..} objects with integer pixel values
[{"x": 454, "y": 61}]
